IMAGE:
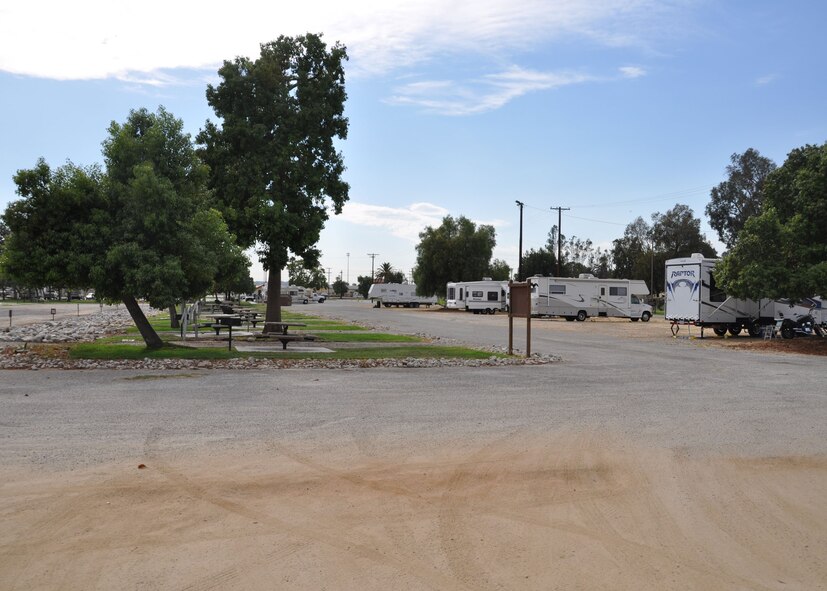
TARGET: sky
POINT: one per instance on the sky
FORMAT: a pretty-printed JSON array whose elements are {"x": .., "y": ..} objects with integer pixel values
[{"x": 612, "y": 108}]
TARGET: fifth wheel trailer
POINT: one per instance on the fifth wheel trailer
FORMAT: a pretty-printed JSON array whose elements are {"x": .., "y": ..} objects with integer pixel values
[
  {"x": 584, "y": 296},
  {"x": 692, "y": 297}
]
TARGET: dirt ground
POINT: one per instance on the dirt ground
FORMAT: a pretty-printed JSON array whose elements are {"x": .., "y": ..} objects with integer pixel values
[
  {"x": 573, "y": 510},
  {"x": 526, "y": 511}
]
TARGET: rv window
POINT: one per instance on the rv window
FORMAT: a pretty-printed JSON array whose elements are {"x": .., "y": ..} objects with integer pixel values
[
  {"x": 476, "y": 294},
  {"x": 716, "y": 294},
  {"x": 557, "y": 289},
  {"x": 493, "y": 296},
  {"x": 460, "y": 294},
  {"x": 635, "y": 300},
  {"x": 451, "y": 293},
  {"x": 617, "y": 291}
]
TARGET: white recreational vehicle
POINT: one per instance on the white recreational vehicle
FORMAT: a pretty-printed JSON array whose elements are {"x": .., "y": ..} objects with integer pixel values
[
  {"x": 480, "y": 297},
  {"x": 298, "y": 294},
  {"x": 398, "y": 294},
  {"x": 692, "y": 297},
  {"x": 455, "y": 295},
  {"x": 584, "y": 296}
]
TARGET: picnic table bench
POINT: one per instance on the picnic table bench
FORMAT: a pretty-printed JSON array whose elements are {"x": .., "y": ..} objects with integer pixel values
[{"x": 278, "y": 331}]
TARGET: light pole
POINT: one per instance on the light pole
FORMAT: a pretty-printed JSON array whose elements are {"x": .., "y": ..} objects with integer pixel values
[
  {"x": 520, "y": 260},
  {"x": 348, "y": 268}
]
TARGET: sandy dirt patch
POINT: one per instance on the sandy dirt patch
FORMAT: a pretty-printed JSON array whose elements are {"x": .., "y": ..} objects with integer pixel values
[{"x": 564, "y": 511}]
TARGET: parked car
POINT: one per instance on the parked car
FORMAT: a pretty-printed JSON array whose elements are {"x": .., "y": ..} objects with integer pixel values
[{"x": 90, "y": 295}]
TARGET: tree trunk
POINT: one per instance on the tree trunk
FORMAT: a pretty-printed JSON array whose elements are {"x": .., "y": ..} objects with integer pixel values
[
  {"x": 173, "y": 317},
  {"x": 151, "y": 338},
  {"x": 273, "y": 313}
]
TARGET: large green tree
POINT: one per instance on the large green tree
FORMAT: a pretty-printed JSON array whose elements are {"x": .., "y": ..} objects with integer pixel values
[
  {"x": 457, "y": 250},
  {"x": 539, "y": 261},
  {"x": 633, "y": 254},
  {"x": 273, "y": 158},
  {"x": 299, "y": 274},
  {"x": 141, "y": 230},
  {"x": 782, "y": 252},
  {"x": 739, "y": 197}
]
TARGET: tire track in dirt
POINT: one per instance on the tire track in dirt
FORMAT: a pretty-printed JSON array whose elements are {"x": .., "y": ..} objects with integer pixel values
[{"x": 328, "y": 534}]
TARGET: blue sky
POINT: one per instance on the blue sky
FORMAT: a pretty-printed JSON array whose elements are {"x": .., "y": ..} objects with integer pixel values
[{"x": 613, "y": 108}]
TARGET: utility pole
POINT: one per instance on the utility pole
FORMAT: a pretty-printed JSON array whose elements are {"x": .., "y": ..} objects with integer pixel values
[
  {"x": 348, "y": 268},
  {"x": 372, "y": 256},
  {"x": 560, "y": 211},
  {"x": 328, "y": 280},
  {"x": 520, "y": 260}
]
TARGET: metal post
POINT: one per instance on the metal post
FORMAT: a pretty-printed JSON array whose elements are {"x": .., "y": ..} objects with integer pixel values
[
  {"x": 372, "y": 256},
  {"x": 348, "y": 268},
  {"x": 520, "y": 263}
]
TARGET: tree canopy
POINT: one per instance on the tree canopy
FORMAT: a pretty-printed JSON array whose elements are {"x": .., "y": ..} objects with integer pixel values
[
  {"x": 273, "y": 160},
  {"x": 739, "y": 197},
  {"x": 782, "y": 252},
  {"x": 457, "y": 250},
  {"x": 387, "y": 274},
  {"x": 299, "y": 274},
  {"x": 141, "y": 230}
]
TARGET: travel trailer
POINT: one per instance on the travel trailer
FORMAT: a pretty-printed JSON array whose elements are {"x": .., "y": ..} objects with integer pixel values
[
  {"x": 692, "y": 297},
  {"x": 398, "y": 294},
  {"x": 455, "y": 295},
  {"x": 480, "y": 297},
  {"x": 585, "y": 296}
]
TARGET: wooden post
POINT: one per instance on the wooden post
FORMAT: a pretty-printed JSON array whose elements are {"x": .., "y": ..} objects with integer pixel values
[{"x": 519, "y": 307}]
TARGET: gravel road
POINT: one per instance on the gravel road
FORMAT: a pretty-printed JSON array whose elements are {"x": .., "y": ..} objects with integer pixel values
[{"x": 638, "y": 462}]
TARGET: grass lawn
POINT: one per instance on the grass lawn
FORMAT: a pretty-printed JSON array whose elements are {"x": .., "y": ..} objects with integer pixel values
[{"x": 328, "y": 331}]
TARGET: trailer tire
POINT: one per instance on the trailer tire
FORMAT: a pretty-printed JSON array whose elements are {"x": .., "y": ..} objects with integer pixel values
[
  {"x": 645, "y": 316},
  {"x": 734, "y": 330},
  {"x": 719, "y": 330},
  {"x": 581, "y": 316},
  {"x": 387, "y": 304},
  {"x": 754, "y": 329}
]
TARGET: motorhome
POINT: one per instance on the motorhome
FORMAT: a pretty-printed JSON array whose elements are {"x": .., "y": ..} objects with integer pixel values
[
  {"x": 398, "y": 294},
  {"x": 480, "y": 297},
  {"x": 298, "y": 294},
  {"x": 586, "y": 295},
  {"x": 692, "y": 297}
]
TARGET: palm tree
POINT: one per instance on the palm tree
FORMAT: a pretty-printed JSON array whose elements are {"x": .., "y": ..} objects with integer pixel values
[{"x": 385, "y": 271}]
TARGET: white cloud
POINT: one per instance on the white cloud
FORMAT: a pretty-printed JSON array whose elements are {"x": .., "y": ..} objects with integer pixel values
[
  {"x": 764, "y": 80},
  {"x": 402, "y": 222},
  {"x": 632, "y": 72},
  {"x": 100, "y": 38},
  {"x": 485, "y": 94}
]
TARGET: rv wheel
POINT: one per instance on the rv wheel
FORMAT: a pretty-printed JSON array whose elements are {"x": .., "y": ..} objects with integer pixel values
[
  {"x": 634, "y": 319},
  {"x": 754, "y": 329},
  {"x": 645, "y": 316},
  {"x": 569, "y": 318},
  {"x": 735, "y": 330},
  {"x": 581, "y": 316},
  {"x": 719, "y": 330}
]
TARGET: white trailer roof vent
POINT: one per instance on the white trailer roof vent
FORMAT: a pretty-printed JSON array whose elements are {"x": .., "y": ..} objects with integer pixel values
[
  {"x": 585, "y": 276},
  {"x": 697, "y": 255}
]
